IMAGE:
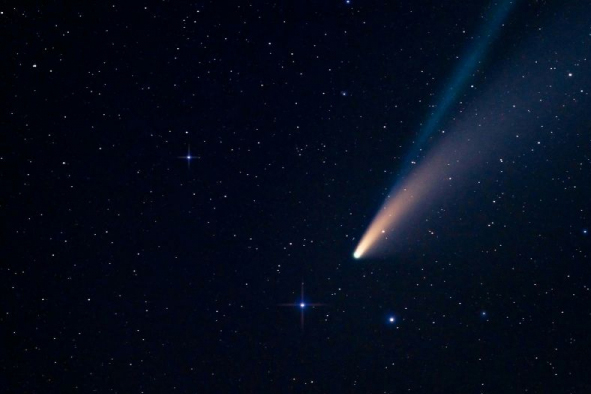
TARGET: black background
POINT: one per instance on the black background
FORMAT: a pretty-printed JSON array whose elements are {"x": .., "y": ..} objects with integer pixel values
[{"x": 126, "y": 269}]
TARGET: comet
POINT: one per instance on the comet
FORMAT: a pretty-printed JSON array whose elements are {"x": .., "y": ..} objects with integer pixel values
[
  {"x": 405, "y": 201},
  {"x": 411, "y": 188}
]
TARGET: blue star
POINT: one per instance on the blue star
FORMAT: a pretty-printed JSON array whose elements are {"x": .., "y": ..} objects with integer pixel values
[
  {"x": 585, "y": 231},
  {"x": 188, "y": 157},
  {"x": 391, "y": 320},
  {"x": 302, "y": 305}
]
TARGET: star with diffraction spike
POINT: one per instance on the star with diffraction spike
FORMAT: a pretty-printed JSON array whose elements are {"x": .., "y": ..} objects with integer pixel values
[
  {"x": 188, "y": 156},
  {"x": 302, "y": 305}
]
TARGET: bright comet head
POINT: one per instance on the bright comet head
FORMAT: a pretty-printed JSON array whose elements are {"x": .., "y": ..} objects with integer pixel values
[{"x": 414, "y": 187}]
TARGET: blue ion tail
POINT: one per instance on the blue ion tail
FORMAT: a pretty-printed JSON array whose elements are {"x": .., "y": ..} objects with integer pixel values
[
  {"x": 392, "y": 206},
  {"x": 460, "y": 78}
]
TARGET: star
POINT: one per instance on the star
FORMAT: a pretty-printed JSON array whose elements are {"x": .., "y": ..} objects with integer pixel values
[
  {"x": 188, "y": 157},
  {"x": 302, "y": 305}
]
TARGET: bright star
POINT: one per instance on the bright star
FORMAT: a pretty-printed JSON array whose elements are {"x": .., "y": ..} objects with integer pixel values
[
  {"x": 188, "y": 156},
  {"x": 302, "y": 305},
  {"x": 392, "y": 319}
]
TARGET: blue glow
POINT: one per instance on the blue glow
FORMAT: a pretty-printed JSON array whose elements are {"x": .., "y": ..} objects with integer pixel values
[
  {"x": 302, "y": 305},
  {"x": 458, "y": 81},
  {"x": 188, "y": 157}
]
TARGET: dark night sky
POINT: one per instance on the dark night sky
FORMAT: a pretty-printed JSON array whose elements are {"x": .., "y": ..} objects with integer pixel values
[{"x": 127, "y": 269}]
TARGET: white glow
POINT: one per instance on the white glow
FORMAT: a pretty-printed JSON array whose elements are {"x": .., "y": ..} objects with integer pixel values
[{"x": 302, "y": 305}]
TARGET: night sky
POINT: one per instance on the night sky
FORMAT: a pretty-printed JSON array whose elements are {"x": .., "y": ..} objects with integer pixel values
[{"x": 173, "y": 172}]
